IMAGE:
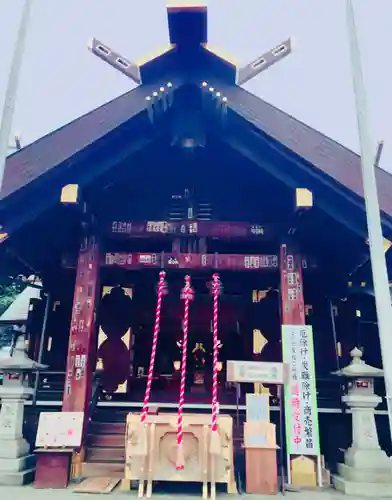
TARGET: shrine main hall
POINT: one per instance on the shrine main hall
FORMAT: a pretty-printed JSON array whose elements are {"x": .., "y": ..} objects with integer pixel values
[{"x": 185, "y": 188}]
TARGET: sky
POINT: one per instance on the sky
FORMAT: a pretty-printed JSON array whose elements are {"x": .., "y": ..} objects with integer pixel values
[{"x": 62, "y": 80}]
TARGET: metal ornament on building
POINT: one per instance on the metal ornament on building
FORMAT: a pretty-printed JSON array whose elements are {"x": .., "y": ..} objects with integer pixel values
[{"x": 360, "y": 288}]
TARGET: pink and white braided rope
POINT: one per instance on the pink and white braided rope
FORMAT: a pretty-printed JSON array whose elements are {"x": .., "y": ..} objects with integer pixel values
[
  {"x": 215, "y": 291},
  {"x": 183, "y": 364},
  {"x": 147, "y": 395}
]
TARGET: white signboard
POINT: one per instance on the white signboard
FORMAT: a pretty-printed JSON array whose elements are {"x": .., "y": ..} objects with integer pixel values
[
  {"x": 59, "y": 429},
  {"x": 257, "y": 408},
  {"x": 302, "y": 432},
  {"x": 256, "y": 371}
]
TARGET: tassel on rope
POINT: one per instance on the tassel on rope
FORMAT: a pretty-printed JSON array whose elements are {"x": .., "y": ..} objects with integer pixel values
[
  {"x": 141, "y": 449},
  {"x": 187, "y": 295},
  {"x": 215, "y": 445}
]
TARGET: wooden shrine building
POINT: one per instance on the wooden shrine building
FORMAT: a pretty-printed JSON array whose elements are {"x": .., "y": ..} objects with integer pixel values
[{"x": 190, "y": 173}]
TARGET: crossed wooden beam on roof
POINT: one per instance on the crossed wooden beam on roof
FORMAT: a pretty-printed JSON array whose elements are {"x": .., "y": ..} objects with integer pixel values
[
  {"x": 244, "y": 74},
  {"x": 265, "y": 61},
  {"x": 116, "y": 60}
]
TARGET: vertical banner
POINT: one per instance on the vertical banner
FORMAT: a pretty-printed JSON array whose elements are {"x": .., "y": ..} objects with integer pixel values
[
  {"x": 78, "y": 377},
  {"x": 302, "y": 431},
  {"x": 301, "y": 416}
]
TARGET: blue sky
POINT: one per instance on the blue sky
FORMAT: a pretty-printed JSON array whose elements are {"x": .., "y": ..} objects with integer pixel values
[{"x": 61, "y": 79}]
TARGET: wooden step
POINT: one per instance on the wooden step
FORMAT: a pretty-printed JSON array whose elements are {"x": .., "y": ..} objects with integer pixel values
[
  {"x": 99, "y": 469},
  {"x": 106, "y": 440},
  {"x": 107, "y": 428},
  {"x": 110, "y": 415},
  {"x": 105, "y": 455}
]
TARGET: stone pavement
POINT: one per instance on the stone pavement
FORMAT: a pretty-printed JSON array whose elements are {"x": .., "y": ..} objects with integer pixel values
[{"x": 30, "y": 493}]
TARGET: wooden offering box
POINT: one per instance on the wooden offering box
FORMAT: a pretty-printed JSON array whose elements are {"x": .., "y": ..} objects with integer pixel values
[
  {"x": 53, "y": 468},
  {"x": 159, "y": 464},
  {"x": 260, "y": 454},
  {"x": 261, "y": 471}
]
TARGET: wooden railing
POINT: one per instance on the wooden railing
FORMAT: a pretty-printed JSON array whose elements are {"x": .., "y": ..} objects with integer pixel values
[{"x": 79, "y": 455}]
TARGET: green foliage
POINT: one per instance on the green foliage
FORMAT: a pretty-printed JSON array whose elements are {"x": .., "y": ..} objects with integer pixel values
[
  {"x": 8, "y": 294},
  {"x": 7, "y": 334}
]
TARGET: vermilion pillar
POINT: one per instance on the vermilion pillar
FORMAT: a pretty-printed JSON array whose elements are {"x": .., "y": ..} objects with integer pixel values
[
  {"x": 81, "y": 348},
  {"x": 291, "y": 287}
]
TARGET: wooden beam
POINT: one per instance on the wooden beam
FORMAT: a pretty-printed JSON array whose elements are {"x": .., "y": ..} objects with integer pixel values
[
  {"x": 249, "y": 147},
  {"x": 39, "y": 204},
  {"x": 149, "y": 260},
  {"x": 125, "y": 229}
]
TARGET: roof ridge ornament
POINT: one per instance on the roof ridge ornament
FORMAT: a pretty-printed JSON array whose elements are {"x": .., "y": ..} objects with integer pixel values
[
  {"x": 191, "y": 19},
  {"x": 264, "y": 61},
  {"x": 116, "y": 60}
]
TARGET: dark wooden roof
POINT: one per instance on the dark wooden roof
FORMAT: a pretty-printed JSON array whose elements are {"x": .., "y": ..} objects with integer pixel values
[
  {"x": 320, "y": 151},
  {"x": 46, "y": 153},
  {"x": 325, "y": 154},
  {"x": 188, "y": 29}
]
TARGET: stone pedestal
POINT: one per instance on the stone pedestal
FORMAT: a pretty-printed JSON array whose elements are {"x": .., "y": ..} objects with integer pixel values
[
  {"x": 16, "y": 463},
  {"x": 367, "y": 471}
]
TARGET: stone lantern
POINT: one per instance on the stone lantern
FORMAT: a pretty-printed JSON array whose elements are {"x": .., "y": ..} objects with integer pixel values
[
  {"x": 367, "y": 471},
  {"x": 16, "y": 463}
]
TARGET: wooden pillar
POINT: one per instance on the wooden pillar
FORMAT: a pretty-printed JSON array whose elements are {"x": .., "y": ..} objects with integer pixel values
[
  {"x": 81, "y": 347},
  {"x": 301, "y": 416}
]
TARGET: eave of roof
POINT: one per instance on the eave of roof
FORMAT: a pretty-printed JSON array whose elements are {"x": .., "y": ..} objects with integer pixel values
[
  {"x": 325, "y": 154},
  {"x": 31, "y": 162}
]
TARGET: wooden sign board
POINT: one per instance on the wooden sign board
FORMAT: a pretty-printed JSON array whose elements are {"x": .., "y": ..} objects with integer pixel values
[
  {"x": 259, "y": 435},
  {"x": 257, "y": 408},
  {"x": 59, "y": 430},
  {"x": 304, "y": 472},
  {"x": 256, "y": 371}
]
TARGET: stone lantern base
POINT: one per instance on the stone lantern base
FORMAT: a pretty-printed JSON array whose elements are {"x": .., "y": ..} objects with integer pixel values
[
  {"x": 17, "y": 465},
  {"x": 375, "y": 483},
  {"x": 367, "y": 471},
  {"x": 17, "y": 471}
]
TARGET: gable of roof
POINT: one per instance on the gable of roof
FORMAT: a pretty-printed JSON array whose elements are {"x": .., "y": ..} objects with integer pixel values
[
  {"x": 324, "y": 153},
  {"x": 187, "y": 26},
  {"x": 29, "y": 163}
]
